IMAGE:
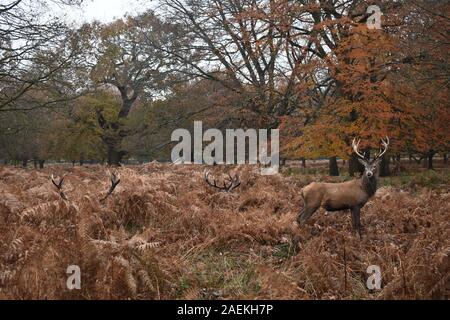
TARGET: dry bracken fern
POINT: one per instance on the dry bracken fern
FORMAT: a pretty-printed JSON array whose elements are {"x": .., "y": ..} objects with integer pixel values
[{"x": 164, "y": 234}]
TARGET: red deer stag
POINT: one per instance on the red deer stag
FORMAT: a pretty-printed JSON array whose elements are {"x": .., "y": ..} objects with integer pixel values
[{"x": 351, "y": 195}]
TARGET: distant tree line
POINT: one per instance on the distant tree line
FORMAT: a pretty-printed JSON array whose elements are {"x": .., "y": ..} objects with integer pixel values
[{"x": 112, "y": 92}]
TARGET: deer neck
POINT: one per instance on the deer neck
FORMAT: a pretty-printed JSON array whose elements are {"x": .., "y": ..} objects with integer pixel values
[{"x": 370, "y": 185}]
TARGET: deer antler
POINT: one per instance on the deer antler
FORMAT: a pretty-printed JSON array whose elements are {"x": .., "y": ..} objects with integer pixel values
[
  {"x": 385, "y": 144},
  {"x": 115, "y": 180},
  {"x": 355, "y": 146},
  {"x": 59, "y": 186},
  {"x": 233, "y": 183}
]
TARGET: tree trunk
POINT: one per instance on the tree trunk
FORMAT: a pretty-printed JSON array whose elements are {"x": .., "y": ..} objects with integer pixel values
[
  {"x": 384, "y": 166},
  {"x": 430, "y": 160},
  {"x": 24, "y": 163},
  {"x": 303, "y": 162},
  {"x": 114, "y": 156},
  {"x": 81, "y": 162},
  {"x": 41, "y": 164},
  {"x": 445, "y": 158},
  {"x": 354, "y": 166},
  {"x": 419, "y": 161},
  {"x": 35, "y": 163},
  {"x": 333, "y": 167}
]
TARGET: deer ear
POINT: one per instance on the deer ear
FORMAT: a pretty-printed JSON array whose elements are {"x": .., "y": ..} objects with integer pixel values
[{"x": 363, "y": 162}]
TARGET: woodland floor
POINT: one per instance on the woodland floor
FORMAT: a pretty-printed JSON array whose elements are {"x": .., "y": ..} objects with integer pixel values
[{"x": 165, "y": 234}]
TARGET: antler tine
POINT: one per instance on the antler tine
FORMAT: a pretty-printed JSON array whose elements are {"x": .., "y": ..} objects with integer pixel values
[
  {"x": 228, "y": 187},
  {"x": 59, "y": 186},
  {"x": 355, "y": 146},
  {"x": 235, "y": 183},
  {"x": 115, "y": 180},
  {"x": 385, "y": 144},
  {"x": 54, "y": 182},
  {"x": 212, "y": 184}
]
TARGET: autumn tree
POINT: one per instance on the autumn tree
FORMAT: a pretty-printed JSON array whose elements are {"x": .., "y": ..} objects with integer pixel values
[
  {"x": 352, "y": 63},
  {"x": 285, "y": 58},
  {"x": 34, "y": 53},
  {"x": 424, "y": 76},
  {"x": 375, "y": 78},
  {"x": 26, "y": 136},
  {"x": 81, "y": 140},
  {"x": 124, "y": 61},
  {"x": 202, "y": 100},
  {"x": 242, "y": 45}
]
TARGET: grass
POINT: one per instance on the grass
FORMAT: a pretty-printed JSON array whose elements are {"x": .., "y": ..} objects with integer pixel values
[
  {"x": 220, "y": 275},
  {"x": 409, "y": 180},
  {"x": 432, "y": 179}
]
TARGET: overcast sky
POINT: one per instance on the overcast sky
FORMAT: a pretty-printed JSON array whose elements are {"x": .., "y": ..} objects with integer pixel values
[{"x": 104, "y": 10}]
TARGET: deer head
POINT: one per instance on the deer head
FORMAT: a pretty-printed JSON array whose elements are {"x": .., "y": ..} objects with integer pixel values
[{"x": 370, "y": 166}]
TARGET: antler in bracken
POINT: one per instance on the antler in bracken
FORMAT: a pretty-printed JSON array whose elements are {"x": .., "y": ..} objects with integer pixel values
[{"x": 231, "y": 184}]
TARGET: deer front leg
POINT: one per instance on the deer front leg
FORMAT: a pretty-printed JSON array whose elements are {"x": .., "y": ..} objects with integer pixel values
[{"x": 356, "y": 220}]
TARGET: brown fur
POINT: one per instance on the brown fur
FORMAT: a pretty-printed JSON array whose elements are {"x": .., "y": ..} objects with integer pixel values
[{"x": 351, "y": 195}]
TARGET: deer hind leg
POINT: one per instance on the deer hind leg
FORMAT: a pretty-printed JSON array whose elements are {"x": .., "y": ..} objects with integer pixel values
[
  {"x": 305, "y": 214},
  {"x": 356, "y": 220}
]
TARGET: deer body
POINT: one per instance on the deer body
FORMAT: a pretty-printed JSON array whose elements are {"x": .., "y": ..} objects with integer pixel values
[
  {"x": 339, "y": 196},
  {"x": 351, "y": 195}
]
